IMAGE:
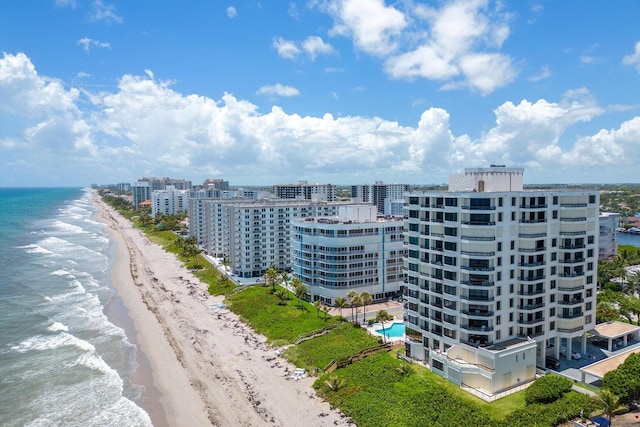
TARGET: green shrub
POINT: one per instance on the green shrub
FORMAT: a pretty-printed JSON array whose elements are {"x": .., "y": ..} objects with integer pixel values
[
  {"x": 625, "y": 380},
  {"x": 547, "y": 389}
]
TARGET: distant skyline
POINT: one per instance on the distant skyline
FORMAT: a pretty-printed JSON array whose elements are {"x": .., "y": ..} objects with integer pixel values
[{"x": 325, "y": 91}]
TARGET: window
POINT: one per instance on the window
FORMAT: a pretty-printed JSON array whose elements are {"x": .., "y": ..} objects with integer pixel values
[
  {"x": 589, "y": 280},
  {"x": 451, "y": 201},
  {"x": 450, "y": 231},
  {"x": 499, "y": 275},
  {"x": 590, "y": 253},
  {"x": 500, "y": 216},
  {"x": 592, "y": 198},
  {"x": 513, "y": 244},
  {"x": 554, "y": 243},
  {"x": 450, "y": 246},
  {"x": 552, "y": 326},
  {"x": 513, "y": 216},
  {"x": 511, "y": 288},
  {"x": 499, "y": 246},
  {"x": 497, "y": 335},
  {"x": 589, "y": 266},
  {"x": 552, "y": 298},
  {"x": 555, "y": 200},
  {"x": 553, "y": 270},
  {"x": 554, "y": 256},
  {"x": 437, "y": 365},
  {"x": 512, "y": 274},
  {"x": 499, "y": 290},
  {"x": 554, "y": 215},
  {"x": 510, "y": 302},
  {"x": 511, "y": 317},
  {"x": 450, "y": 216},
  {"x": 512, "y": 260},
  {"x": 553, "y": 284},
  {"x": 589, "y": 293},
  {"x": 552, "y": 311},
  {"x": 498, "y": 306},
  {"x": 590, "y": 240},
  {"x": 513, "y": 201},
  {"x": 499, "y": 261},
  {"x": 498, "y": 320},
  {"x": 588, "y": 305}
]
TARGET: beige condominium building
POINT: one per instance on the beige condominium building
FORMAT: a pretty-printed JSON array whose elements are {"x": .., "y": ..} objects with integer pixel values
[{"x": 498, "y": 278}]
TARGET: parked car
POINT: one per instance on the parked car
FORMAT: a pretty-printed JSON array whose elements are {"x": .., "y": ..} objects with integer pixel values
[
  {"x": 552, "y": 363},
  {"x": 574, "y": 354}
]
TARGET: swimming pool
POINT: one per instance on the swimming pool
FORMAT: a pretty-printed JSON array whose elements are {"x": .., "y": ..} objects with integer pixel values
[{"x": 396, "y": 330}]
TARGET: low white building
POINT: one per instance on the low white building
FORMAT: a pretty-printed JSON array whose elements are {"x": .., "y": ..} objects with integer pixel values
[{"x": 351, "y": 251}]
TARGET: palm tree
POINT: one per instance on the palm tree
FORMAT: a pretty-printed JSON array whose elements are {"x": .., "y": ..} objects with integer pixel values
[
  {"x": 325, "y": 310},
  {"x": 352, "y": 297},
  {"x": 299, "y": 288},
  {"x": 381, "y": 317},
  {"x": 271, "y": 277},
  {"x": 605, "y": 311},
  {"x": 366, "y": 298},
  {"x": 610, "y": 403},
  {"x": 318, "y": 305},
  {"x": 334, "y": 383},
  {"x": 340, "y": 303},
  {"x": 285, "y": 277},
  {"x": 226, "y": 263},
  {"x": 283, "y": 296}
]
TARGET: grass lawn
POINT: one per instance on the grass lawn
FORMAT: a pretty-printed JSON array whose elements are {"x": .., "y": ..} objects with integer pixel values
[
  {"x": 344, "y": 340},
  {"x": 281, "y": 324}
]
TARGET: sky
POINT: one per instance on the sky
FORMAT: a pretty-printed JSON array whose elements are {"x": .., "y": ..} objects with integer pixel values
[{"x": 326, "y": 91}]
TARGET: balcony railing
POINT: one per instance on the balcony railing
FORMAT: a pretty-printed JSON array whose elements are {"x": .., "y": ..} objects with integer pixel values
[
  {"x": 477, "y": 253},
  {"x": 574, "y": 274},
  {"x": 532, "y": 235},
  {"x": 482, "y": 328},
  {"x": 477, "y": 298},
  {"x": 571, "y": 261},
  {"x": 573, "y": 233},
  {"x": 572, "y": 289},
  {"x": 478, "y": 208},
  {"x": 471, "y": 268},
  {"x": 478, "y": 239},
  {"x": 531, "y": 306},
  {"x": 568, "y": 331},
  {"x": 480, "y": 313},
  {"x": 531, "y": 278},
  {"x": 572, "y": 246},
  {"x": 533, "y": 206},
  {"x": 573, "y": 205},
  {"x": 570, "y": 315},
  {"x": 531, "y": 322},
  {"x": 576, "y": 219},
  {"x": 570, "y": 302},
  {"x": 478, "y": 222},
  {"x": 474, "y": 283},
  {"x": 533, "y": 221},
  {"x": 540, "y": 249},
  {"x": 531, "y": 264},
  {"x": 532, "y": 292}
]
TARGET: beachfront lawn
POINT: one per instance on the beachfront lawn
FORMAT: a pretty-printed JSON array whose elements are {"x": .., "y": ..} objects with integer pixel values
[
  {"x": 281, "y": 324},
  {"x": 344, "y": 340},
  {"x": 374, "y": 391}
]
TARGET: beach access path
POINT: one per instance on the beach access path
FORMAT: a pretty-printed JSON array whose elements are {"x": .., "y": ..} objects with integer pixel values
[{"x": 208, "y": 367}]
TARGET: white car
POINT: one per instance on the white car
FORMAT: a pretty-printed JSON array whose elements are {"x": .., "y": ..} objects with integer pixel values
[{"x": 574, "y": 354}]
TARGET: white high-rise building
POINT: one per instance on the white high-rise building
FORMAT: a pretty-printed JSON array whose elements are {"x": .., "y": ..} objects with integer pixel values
[
  {"x": 378, "y": 193},
  {"x": 169, "y": 201},
  {"x": 608, "y": 239},
  {"x": 351, "y": 251},
  {"x": 252, "y": 234},
  {"x": 305, "y": 191},
  {"x": 498, "y": 278}
]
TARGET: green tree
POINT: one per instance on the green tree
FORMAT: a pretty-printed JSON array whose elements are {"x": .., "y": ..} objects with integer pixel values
[
  {"x": 381, "y": 317},
  {"x": 325, "y": 310},
  {"x": 624, "y": 381},
  {"x": 609, "y": 402},
  {"x": 340, "y": 303},
  {"x": 352, "y": 298},
  {"x": 226, "y": 263},
  {"x": 271, "y": 277},
  {"x": 282, "y": 295},
  {"x": 606, "y": 311},
  {"x": 318, "y": 305},
  {"x": 366, "y": 298},
  {"x": 299, "y": 288}
]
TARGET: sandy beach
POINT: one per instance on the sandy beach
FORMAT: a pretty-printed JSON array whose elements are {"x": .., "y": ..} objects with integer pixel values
[{"x": 208, "y": 369}]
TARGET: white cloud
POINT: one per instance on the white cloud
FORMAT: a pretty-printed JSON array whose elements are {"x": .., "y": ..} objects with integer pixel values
[
  {"x": 371, "y": 24},
  {"x": 634, "y": 58},
  {"x": 314, "y": 45},
  {"x": 588, "y": 59},
  {"x": 107, "y": 137},
  {"x": 455, "y": 44},
  {"x": 286, "y": 48},
  {"x": 232, "y": 12},
  {"x": 279, "y": 90},
  {"x": 543, "y": 74},
  {"x": 88, "y": 43},
  {"x": 104, "y": 12}
]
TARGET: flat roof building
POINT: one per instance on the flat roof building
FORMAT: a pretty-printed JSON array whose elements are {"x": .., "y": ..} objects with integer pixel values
[{"x": 490, "y": 263}]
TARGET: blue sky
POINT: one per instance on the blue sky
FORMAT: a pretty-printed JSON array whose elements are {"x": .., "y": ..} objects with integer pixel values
[{"x": 328, "y": 91}]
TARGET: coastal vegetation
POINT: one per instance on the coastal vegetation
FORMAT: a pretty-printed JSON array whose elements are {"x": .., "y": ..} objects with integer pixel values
[{"x": 620, "y": 290}]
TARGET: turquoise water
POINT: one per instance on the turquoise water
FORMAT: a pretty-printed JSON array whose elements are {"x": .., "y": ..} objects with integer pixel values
[
  {"x": 62, "y": 361},
  {"x": 396, "y": 330}
]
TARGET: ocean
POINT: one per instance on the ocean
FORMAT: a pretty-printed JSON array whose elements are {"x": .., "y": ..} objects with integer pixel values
[{"x": 63, "y": 362}]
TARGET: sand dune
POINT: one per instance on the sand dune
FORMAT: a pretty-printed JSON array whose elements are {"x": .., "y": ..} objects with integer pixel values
[{"x": 210, "y": 369}]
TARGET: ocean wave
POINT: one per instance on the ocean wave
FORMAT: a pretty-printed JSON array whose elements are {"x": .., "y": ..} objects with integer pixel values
[
  {"x": 35, "y": 249},
  {"x": 57, "y": 327},
  {"x": 63, "y": 273},
  {"x": 51, "y": 342},
  {"x": 68, "y": 228}
]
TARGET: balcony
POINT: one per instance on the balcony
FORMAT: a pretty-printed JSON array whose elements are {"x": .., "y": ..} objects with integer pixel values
[
  {"x": 531, "y": 264},
  {"x": 573, "y": 289},
  {"x": 476, "y": 283},
  {"x": 479, "y": 313},
  {"x": 576, "y": 219},
  {"x": 532, "y": 235},
  {"x": 485, "y": 298},
  {"x": 483, "y": 254},
  {"x": 531, "y": 278},
  {"x": 573, "y": 205},
  {"x": 540, "y": 249},
  {"x": 531, "y": 306},
  {"x": 570, "y": 315},
  {"x": 574, "y": 274},
  {"x": 572, "y": 247},
  {"x": 573, "y": 233},
  {"x": 478, "y": 239},
  {"x": 532, "y": 292},
  {"x": 571, "y": 302},
  {"x": 478, "y": 208},
  {"x": 536, "y": 206},
  {"x": 478, "y": 328},
  {"x": 531, "y": 321},
  {"x": 572, "y": 261},
  {"x": 478, "y": 223},
  {"x": 569, "y": 331},
  {"x": 472, "y": 268},
  {"x": 533, "y": 221}
]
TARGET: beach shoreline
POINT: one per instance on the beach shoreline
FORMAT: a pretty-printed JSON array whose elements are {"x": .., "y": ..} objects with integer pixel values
[{"x": 208, "y": 369}]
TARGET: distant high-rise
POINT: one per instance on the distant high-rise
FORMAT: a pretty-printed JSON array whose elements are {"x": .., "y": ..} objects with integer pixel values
[
  {"x": 378, "y": 193},
  {"x": 305, "y": 191}
]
